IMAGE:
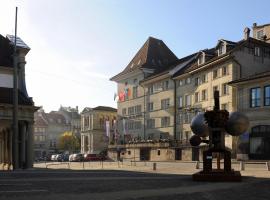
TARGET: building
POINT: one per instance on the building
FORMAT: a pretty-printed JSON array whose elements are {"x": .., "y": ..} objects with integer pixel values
[
  {"x": 172, "y": 93},
  {"x": 253, "y": 99},
  {"x": 73, "y": 118},
  {"x": 97, "y": 128},
  {"x": 48, "y": 128},
  {"x": 16, "y": 151}
]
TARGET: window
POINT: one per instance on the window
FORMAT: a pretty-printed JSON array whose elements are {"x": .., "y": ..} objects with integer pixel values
[
  {"x": 138, "y": 125},
  {"x": 151, "y": 89},
  {"x": 135, "y": 92},
  {"x": 267, "y": 95},
  {"x": 165, "y": 121},
  {"x": 165, "y": 103},
  {"x": 224, "y": 71},
  {"x": 180, "y": 82},
  {"x": 215, "y": 73},
  {"x": 221, "y": 49},
  {"x": 197, "y": 81},
  {"x": 257, "y": 51},
  {"x": 131, "y": 110},
  {"x": 180, "y": 119},
  {"x": 255, "y": 97},
  {"x": 150, "y": 123},
  {"x": 204, "y": 95},
  {"x": 165, "y": 85},
  {"x": 135, "y": 81},
  {"x": 150, "y": 106},
  {"x": 204, "y": 78},
  {"x": 215, "y": 88},
  {"x": 225, "y": 89},
  {"x": 224, "y": 106},
  {"x": 188, "y": 100},
  {"x": 180, "y": 102},
  {"x": 124, "y": 111},
  {"x": 130, "y": 125},
  {"x": 158, "y": 152},
  {"x": 196, "y": 99},
  {"x": 187, "y": 81},
  {"x": 260, "y": 34},
  {"x": 138, "y": 109},
  {"x": 201, "y": 59}
]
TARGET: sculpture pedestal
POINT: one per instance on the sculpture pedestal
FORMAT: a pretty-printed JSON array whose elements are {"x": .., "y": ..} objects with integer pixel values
[{"x": 218, "y": 176}]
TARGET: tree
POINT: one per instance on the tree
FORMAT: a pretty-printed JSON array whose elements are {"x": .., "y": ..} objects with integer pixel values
[{"x": 69, "y": 142}]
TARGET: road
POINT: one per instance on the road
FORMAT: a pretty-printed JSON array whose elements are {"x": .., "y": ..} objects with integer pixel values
[{"x": 111, "y": 184}]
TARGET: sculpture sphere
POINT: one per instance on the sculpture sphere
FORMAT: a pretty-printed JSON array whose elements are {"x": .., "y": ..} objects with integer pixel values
[
  {"x": 195, "y": 140},
  {"x": 237, "y": 124},
  {"x": 198, "y": 125}
]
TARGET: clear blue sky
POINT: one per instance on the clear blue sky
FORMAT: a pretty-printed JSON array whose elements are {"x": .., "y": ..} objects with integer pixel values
[{"x": 77, "y": 45}]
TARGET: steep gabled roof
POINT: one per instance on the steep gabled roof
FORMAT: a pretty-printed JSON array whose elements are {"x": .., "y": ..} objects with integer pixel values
[{"x": 154, "y": 54}]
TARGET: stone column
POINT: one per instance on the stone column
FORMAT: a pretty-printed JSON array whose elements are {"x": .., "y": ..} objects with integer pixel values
[
  {"x": 9, "y": 148},
  {"x": 89, "y": 143},
  {"x": 29, "y": 146},
  {"x": 22, "y": 146},
  {"x": 92, "y": 142}
]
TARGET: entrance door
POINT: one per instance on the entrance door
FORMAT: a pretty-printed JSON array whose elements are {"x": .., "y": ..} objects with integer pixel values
[
  {"x": 145, "y": 154},
  {"x": 178, "y": 154}
]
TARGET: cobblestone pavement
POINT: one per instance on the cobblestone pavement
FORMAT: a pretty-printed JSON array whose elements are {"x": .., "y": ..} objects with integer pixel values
[{"x": 119, "y": 183}]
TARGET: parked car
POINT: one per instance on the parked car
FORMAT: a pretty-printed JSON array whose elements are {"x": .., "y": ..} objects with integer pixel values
[
  {"x": 71, "y": 156},
  {"x": 91, "y": 157},
  {"x": 53, "y": 157},
  {"x": 78, "y": 157}
]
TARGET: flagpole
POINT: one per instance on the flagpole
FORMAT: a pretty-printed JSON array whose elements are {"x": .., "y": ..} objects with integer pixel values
[{"x": 15, "y": 144}]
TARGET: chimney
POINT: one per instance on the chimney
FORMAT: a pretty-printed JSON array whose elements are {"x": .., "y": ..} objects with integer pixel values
[
  {"x": 246, "y": 33},
  {"x": 77, "y": 108}
]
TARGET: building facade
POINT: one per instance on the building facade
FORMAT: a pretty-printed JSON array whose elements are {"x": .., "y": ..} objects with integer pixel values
[
  {"x": 16, "y": 150},
  {"x": 175, "y": 92},
  {"x": 97, "y": 128},
  {"x": 253, "y": 99},
  {"x": 48, "y": 129}
]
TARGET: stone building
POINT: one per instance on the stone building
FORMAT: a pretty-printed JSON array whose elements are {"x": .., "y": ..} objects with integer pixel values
[
  {"x": 253, "y": 99},
  {"x": 15, "y": 150},
  {"x": 73, "y": 118},
  {"x": 97, "y": 128},
  {"x": 173, "y": 93},
  {"x": 48, "y": 128}
]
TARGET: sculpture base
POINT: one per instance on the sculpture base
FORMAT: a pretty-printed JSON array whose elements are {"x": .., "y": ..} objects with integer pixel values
[{"x": 218, "y": 176}]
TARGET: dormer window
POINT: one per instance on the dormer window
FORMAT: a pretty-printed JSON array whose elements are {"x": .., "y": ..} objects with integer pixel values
[
  {"x": 260, "y": 34},
  {"x": 221, "y": 49},
  {"x": 201, "y": 59}
]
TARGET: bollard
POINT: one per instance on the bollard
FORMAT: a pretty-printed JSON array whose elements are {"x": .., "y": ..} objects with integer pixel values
[
  {"x": 154, "y": 166},
  {"x": 198, "y": 165},
  {"x": 242, "y": 166}
]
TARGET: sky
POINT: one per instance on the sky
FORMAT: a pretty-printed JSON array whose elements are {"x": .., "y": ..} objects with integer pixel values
[{"x": 77, "y": 45}]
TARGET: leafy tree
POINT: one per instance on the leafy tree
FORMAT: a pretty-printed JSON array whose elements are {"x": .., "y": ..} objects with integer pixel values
[{"x": 69, "y": 142}]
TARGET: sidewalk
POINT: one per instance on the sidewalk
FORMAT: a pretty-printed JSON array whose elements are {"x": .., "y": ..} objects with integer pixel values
[{"x": 187, "y": 168}]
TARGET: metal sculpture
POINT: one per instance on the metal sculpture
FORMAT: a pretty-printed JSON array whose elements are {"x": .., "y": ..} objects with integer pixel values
[{"x": 214, "y": 124}]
